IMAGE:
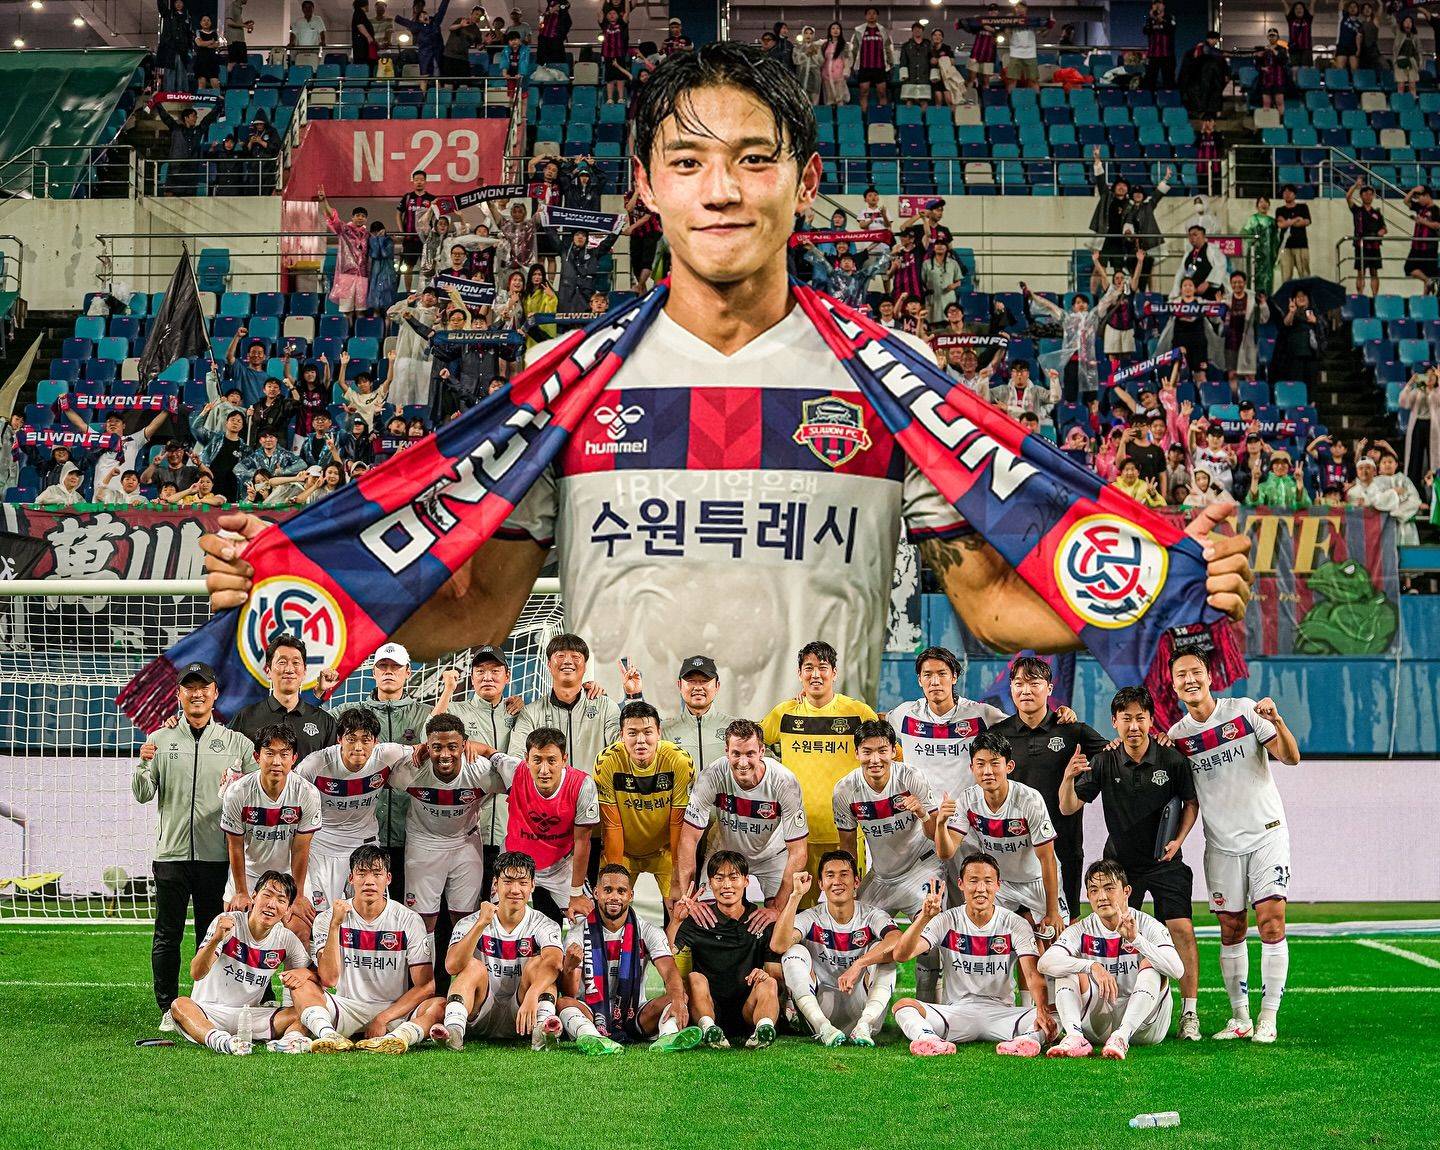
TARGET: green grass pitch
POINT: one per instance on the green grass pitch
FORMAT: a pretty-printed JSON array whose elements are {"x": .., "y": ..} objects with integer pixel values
[{"x": 1357, "y": 1065}]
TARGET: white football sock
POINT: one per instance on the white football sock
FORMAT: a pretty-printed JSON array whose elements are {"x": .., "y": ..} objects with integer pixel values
[
  {"x": 1274, "y": 970},
  {"x": 759, "y": 1022},
  {"x": 576, "y": 1023},
  {"x": 220, "y": 1042},
  {"x": 1189, "y": 1006},
  {"x": 913, "y": 1024},
  {"x": 668, "y": 1024},
  {"x": 455, "y": 1014},
  {"x": 799, "y": 981},
  {"x": 1067, "y": 1003},
  {"x": 882, "y": 989},
  {"x": 1235, "y": 970},
  {"x": 409, "y": 1033},
  {"x": 706, "y": 1022},
  {"x": 1141, "y": 1004},
  {"x": 544, "y": 1009},
  {"x": 316, "y": 1019}
]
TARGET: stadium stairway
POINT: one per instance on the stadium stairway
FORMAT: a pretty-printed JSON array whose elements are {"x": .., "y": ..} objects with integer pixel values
[
  {"x": 1350, "y": 403},
  {"x": 52, "y": 327}
]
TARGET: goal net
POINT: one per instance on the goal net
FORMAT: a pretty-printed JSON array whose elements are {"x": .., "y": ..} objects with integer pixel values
[{"x": 74, "y": 844}]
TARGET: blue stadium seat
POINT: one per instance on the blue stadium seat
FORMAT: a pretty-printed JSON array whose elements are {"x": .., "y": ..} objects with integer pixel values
[
  {"x": 91, "y": 327},
  {"x": 1291, "y": 394},
  {"x": 47, "y": 391},
  {"x": 76, "y": 348},
  {"x": 1390, "y": 306},
  {"x": 113, "y": 348}
]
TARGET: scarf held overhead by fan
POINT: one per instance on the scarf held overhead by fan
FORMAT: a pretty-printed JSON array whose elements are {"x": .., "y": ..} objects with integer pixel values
[{"x": 354, "y": 567}]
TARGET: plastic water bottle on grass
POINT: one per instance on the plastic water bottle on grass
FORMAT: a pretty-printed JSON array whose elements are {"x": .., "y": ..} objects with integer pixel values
[
  {"x": 1147, "y": 1121},
  {"x": 245, "y": 1036}
]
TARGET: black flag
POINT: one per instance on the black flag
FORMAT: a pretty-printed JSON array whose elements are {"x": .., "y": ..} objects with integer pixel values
[
  {"x": 178, "y": 329},
  {"x": 19, "y": 555}
]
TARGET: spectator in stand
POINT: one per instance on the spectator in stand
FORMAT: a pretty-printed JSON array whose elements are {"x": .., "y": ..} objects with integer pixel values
[
  {"x": 1273, "y": 64},
  {"x": 262, "y": 151},
  {"x": 835, "y": 65},
  {"x": 409, "y": 378},
  {"x": 274, "y": 413},
  {"x": 1422, "y": 263},
  {"x": 645, "y": 231},
  {"x": 111, "y": 465},
  {"x": 222, "y": 445},
  {"x": 1141, "y": 446},
  {"x": 1421, "y": 398},
  {"x": 1140, "y": 489},
  {"x": 872, "y": 56},
  {"x": 311, "y": 392},
  {"x": 186, "y": 169},
  {"x": 207, "y": 55},
  {"x": 9, "y": 451},
  {"x": 1247, "y": 312},
  {"x": 1408, "y": 58},
  {"x": 175, "y": 465},
  {"x": 540, "y": 299},
  {"x": 974, "y": 377},
  {"x": 362, "y": 444},
  {"x": 1300, "y": 340},
  {"x": 1122, "y": 321},
  {"x": 1390, "y": 491},
  {"x": 325, "y": 444},
  {"x": 229, "y": 177},
  {"x": 332, "y": 478},
  {"x": 1177, "y": 476},
  {"x": 1347, "y": 37},
  {"x": 1019, "y": 394},
  {"x": 983, "y": 52},
  {"x": 307, "y": 36},
  {"x": 1370, "y": 58},
  {"x": 904, "y": 271},
  {"x": 1254, "y": 463},
  {"x": 352, "y": 256},
  {"x": 1283, "y": 489},
  {"x": 1330, "y": 465},
  {"x": 808, "y": 63},
  {"x": 437, "y": 234},
  {"x": 554, "y": 27},
  {"x": 464, "y": 33},
  {"x": 384, "y": 278},
  {"x": 519, "y": 231},
  {"x": 1262, "y": 241},
  {"x": 1079, "y": 327},
  {"x": 1159, "y": 29},
  {"x": 66, "y": 492},
  {"x": 237, "y": 27},
  {"x": 200, "y": 494},
  {"x": 947, "y": 85},
  {"x": 1210, "y": 152},
  {"x": 382, "y": 27},
  {"x": 1022, "y": 60},
  {"x": 1213, "y": 457},
  {"x": 428, "y": 33},
  {"x": 584, "y": 187},
  {"x": 580, "y": 270},
  {"x": 413, "y": 204},
  {"x": 1292, "y": 219},
  {"x": 269, "y": 457},
  {"x": 1204, "y": 76},
  {"x": 941, "y": 277},
  {"x": 675, "y": 38},
  {"x": 128, "y": 494},
  {"x": 1202, "y": 493},
  {"x": 176, "y": 46},
  {"x": 364, "y": 401},
  {"x": 915, "y": 67},
  {"x": 1203, "y": 263},
  {"x": 363, "y": 49},
  {"x": 784, "y": 49},
  {"x": 615, "y": 53},
  {"x": 48, "y": 465},
  {"x": 1300, "y": 29}
]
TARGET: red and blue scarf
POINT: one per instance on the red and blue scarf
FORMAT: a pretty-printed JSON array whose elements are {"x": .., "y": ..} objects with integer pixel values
[
  {"x": 617, "y": 1007},
  {"x": 349, "y": 571}
]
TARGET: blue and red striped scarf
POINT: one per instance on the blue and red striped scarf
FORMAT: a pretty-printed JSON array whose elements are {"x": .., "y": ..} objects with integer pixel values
[
  {"x": 613, "y": 1006},
  {"x": 354, "y": 567}
]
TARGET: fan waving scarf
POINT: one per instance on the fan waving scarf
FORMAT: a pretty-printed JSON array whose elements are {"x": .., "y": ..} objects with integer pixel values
[{"x": 358, "y": 564}]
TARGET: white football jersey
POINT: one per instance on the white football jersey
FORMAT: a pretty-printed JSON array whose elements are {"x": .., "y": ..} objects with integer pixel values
[
  {"x": 441, "y": 812},
  {"x": 833, "y": 946},
  {"x": 505, "y": 953},
  {"x": 895, "y": 839},
  {"x": 940, "y": 744},
  {"x": 756, "y": 823},
  {"x": 348, "y": 798},
  {"x": 269, "y": 825},
  {"x": 761, "y": 483},
  {"x": 1239, "y": 801},
  {"x": 244, "y": 963},
  {"x": 651, "y": 939},
  {"x": 1010, "y": 834},
  {"x": 978, "y": 961},
  {"x": 1090, "y": 939},
  {"x": 376, "y": 956}
]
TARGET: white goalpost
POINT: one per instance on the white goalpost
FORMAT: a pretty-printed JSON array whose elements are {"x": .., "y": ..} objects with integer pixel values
[{"x": 74, "y": 844}]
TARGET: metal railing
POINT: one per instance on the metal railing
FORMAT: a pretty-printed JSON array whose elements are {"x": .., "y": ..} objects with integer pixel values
[
  {"x": 259, "y": 261},
  {"x": 47, "y": 172},
  {"x": 240, "y": 176},
  {"x": 1394, "y": 251},
  {"x": 1328, "y": 170}
]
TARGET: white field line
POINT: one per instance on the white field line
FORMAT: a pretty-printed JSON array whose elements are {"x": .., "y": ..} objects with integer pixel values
[{"x": 1399, "y": 952}]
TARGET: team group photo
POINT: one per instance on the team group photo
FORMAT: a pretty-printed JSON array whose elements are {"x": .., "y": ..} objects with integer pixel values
[{"x": 812, "y": 587}]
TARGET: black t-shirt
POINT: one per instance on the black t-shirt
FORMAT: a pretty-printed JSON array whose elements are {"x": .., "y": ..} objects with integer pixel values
[
  {"x": 1294, "y": 237},
  {"x": 314, "y": 728},
  {"x": 1151, "y": 461},
  {"x": 1041, "y": 755},
  {"x": 1134, "y": 796},
  {"x": 724, "y": 953},
  {"x": 222, "y": 467}
]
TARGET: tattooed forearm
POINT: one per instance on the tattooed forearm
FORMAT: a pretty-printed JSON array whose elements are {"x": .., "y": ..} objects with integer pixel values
[{"x": 945, "y": 556}]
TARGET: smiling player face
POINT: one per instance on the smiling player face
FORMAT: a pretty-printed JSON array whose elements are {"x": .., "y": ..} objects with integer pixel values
[
  {"x": 725, "y": 187},
  {"x": 1191, "y": 680},
  {"x": 990, "y": 770},
  {"x": 613, "y": 895},
  {"x": 876, "y": 758},
  {"x": 447, "y": 753}
]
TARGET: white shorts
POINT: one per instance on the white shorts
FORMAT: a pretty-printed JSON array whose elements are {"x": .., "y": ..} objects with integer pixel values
[
  {"x": 979, "y": 1020},
  {"x": 327, "y": 879},
  {"x": 844, "y": 1010},
  {"x": 1023, "y": 896},
  {"x": 1236, "y": 882},
  {"x": 901, "y": 894},
  {"x": 454, "y": 873},
  {"x": 1100, "y": 1020},
  {"x": 350, "y": 1016},
  {"x": 495, "y": 1017},
  {"x": 227, "y": 1018}
]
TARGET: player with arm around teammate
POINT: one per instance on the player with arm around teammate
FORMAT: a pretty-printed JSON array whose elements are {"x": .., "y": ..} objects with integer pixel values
[
  {"x": 981, "y": 945},
  {"x": 604, "y": 1005},
  {"x": 1247, "y": 844},
  {"x": 503, "y": 962},
  {"x": 1111, "y": 972},
  {"x": 233, "y": 967},
  {"x": 836, "y": 956}
]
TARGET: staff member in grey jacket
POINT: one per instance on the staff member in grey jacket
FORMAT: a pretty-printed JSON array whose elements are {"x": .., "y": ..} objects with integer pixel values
[
  {"x": 699, "y": 728},
  {"x": 183, "y": 767}
]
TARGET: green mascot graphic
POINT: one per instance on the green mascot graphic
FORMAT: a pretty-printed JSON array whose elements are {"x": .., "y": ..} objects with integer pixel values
[{"x": 1354, "y": 619}]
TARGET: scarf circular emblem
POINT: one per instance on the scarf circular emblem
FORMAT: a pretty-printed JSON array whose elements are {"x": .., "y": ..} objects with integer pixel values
[
  {"x": 1109, "y": 571},
  {"x": 286, "y": 604}
]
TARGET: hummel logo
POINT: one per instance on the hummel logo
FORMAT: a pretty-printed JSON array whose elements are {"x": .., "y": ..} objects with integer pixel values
[{"x": 619, "y": 420}]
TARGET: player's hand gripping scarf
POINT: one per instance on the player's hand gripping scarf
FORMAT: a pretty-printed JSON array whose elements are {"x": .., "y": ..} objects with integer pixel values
[
  {"x": 359, "y": 563},
  {"x": 613, "y": 1006}
]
